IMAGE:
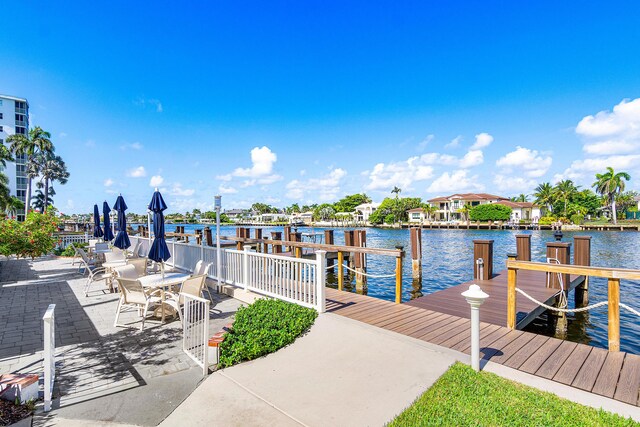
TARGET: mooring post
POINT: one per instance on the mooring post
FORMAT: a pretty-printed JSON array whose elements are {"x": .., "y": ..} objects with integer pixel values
[
  {"x": 360, "y": 240},
  {"x": 286, "y": 235},
  {"x": 582, "y": 256},
  {"x": 340, "y": 270},
  {"x": 207, "y": 236},
  {"x": 562, "y": 252},
  {"x": 523, "y": 247},
  {"x": 276, "y": 235},
  {"x": 483, "y": 249},
  {"x": 614, "y": 314},
  {"x": 296, "y": 237},
  {"x": 475, "y": 297},
  {"x": 328, "y": 240},
  {"x": 239, "y": 243},
  {"x": 416, "y": 252},
  {"x": 257, "y": 232},
  {"x": 511, "y": 291},
  {"x": 399, "y": 274},
  {"x": 349, "y": 241}
]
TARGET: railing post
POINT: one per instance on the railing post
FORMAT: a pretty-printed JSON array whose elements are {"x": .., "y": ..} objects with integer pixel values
[
  {"x": 475, "y": 297},
  {"x": 245, "y": 266},
  {"x": 399, "y": 275},
  {"x": 321, "y": 273},
  {"x": 49, "y": 354},
  {"x": 340, "y": 270},
  {"x": 512, "y": 275},
  {"x": 614, "y": 315}
]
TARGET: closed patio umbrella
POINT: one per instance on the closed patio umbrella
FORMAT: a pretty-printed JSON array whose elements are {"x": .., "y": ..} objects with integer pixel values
[
  {"x": 159, "y": 251},
  {"x": 97, "y": 231},
  {"x": 122, "y": 239},
  {"x": 108, "y": 234}
]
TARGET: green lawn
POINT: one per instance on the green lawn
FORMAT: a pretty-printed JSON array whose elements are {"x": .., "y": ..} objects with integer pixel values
[{"x": 462, "y": 397}]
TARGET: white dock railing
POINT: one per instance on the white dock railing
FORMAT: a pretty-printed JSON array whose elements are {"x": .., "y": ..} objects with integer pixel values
[
  {"x": 49, "y": 320},
  {"x": 195, "y": 338},
  {"x": 297, "y": 280},
  {"x": 67, "y": 239}
]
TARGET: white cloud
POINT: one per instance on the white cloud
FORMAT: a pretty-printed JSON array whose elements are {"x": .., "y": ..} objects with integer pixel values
[
  {"x": 226, "y": 190},
  {"x": 303, "y": 172},
  {"x": 152, "y": 102},
  {"x": 514, "y": 183},
  {"x": 138, "y": 172},
  {"x": 325, "y": 188},
  {"x": 456, "y": 181},
  {"x": 624, "y": 120},
  {"x": 423, "y": 145},
  {"x": 177, "y": 190},
  {"x": 156, "y": 181},
  {"x": 132, "y": 146},
  {"x": 587, "y": 168},
  {"x": 471, "y": 159},
  {"x": 455, "y": 142},
  {"x": 482, "y": 140},
  {"x": 524, "y": 160},
  {"x": 260, "y": 172},
  {"x": 108, "y": 182}
]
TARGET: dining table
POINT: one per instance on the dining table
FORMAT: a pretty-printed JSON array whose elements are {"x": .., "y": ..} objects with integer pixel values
[{"x": 163, "y": 282}]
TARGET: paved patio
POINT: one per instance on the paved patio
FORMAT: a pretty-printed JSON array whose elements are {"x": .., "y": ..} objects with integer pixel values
[{"x": 95, "y": 359}]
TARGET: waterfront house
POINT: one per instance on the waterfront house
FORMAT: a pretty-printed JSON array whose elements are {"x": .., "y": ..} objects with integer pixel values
[
  {"x": 522, "y": 210},
  {"x": 416, "y": 216},
  {"x": 236, "y": 214},
  {"x": 448, "y": 206},
  {"x": 364, "y": 211},
  {"x": 272, "y": 217}
]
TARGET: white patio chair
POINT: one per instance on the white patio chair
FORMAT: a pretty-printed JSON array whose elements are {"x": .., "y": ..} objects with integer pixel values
[
  {"x": 75, "y": 254},
  {"x": 192, "y": 286},
  {"x": 139, "y": 264},
  {"x": 134, "y": 295},
  {"x": 85, "y": 260},
  {"x": 135, "y": 253},
  {"x": 114, "y": 256},
  {"x": 96, "y": 274},
  {"x": 200, "y": 269}
]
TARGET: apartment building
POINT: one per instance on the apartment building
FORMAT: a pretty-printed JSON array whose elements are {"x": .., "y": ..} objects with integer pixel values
[{"x": 14, "y": 119}]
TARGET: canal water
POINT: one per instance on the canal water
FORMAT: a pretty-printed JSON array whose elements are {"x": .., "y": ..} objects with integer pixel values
[{"x": 447, "y": 260}]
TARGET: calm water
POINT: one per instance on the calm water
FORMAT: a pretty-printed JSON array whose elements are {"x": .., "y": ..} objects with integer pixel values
[{"x": 448, "y": 261}]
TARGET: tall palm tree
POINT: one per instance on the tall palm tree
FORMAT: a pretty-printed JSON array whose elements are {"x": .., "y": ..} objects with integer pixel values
[
  {"x": 609, "y": 185},
  {"x": 544, "y": 195},
  {"x": 396, "y": 191},
  {"x": 52, "y": 168},
  {"x": 429, "y": 209},
  {"x": 38, "y": 141},
  {"x": 565, "y": 189},
  {"x": 12, "y": 205}
]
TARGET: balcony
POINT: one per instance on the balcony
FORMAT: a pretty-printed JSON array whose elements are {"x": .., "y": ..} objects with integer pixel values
[
  {"x": 21, "y": 123},
  {"x": 21, "y": 110}
]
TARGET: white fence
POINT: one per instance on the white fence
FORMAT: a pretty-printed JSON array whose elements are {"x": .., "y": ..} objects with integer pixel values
[
  {"x": 195, "y": 339},
  {"x": 297, "y": 280},
  {"x": 49, "y": 319},
  {"x": 67, "y": 239}
]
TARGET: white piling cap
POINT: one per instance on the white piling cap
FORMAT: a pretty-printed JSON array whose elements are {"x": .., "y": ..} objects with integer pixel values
[{"x": 475, "y": 295}]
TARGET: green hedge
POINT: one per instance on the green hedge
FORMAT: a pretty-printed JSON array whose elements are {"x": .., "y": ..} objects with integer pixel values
[
  {"x": 490, "y": 212},
  {"x": 262, "y": 328}
]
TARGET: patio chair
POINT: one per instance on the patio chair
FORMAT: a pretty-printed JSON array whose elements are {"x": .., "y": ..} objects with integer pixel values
[
  {"x": 114, "y": 256},
  {"x": 85, "y": 260},
  {"x": 202, "y": 268},
  {"x": 101, "y": 247},
  {"x": 192, "y": 286},
  {"x": 96, "y": 274},
  {"x": 75, "y": 254},
  {"x": 134, "y": 295},
  {"x": 139, "y": 264},
  {"x": 135, "y": 253},
  {"x": 126, "y": 272}
]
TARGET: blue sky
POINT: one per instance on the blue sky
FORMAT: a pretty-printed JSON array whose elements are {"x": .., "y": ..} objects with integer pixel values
[{"x": 285, "y": 102}]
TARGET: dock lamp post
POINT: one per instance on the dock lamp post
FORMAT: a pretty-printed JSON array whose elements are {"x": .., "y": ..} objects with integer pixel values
[
  {"x": 218, "y": 206},
  {"x": 475, "y": 297}
]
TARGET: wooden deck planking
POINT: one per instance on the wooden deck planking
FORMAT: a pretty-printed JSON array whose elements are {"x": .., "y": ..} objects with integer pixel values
[
  {"x": 615, "y": 375},
  {"x": 494, "y": 310}
]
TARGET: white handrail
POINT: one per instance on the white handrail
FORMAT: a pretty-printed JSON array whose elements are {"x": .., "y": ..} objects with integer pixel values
[
  {"x": 49, "y": 320},
  {"x": 195, "y": 338}
]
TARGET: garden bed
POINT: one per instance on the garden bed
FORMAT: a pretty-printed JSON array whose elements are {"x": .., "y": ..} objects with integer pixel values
[{"x": 11, "y": 413}]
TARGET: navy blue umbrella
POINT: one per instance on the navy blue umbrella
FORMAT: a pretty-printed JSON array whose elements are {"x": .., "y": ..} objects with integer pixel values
[
  {"x": 159, "y": 251},
  {"x": 122, "y": 239},
  {"x": 97, "y": 231},
  {"x": 108, "y": 234}
]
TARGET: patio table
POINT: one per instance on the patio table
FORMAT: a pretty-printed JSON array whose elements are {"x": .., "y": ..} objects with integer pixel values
[
  {"x": 157, "y": 281},
  {"x": 109, "y": 266}
]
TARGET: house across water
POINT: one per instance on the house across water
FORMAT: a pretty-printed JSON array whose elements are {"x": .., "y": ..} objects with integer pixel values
[{"x": 448, "y": 207}]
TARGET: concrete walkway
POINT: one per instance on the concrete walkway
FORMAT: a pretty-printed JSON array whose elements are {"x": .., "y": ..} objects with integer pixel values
[{"x": 341, "y": 373}]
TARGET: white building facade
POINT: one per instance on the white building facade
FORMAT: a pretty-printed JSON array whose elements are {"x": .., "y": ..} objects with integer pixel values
[{"x": 14, "y": 119}]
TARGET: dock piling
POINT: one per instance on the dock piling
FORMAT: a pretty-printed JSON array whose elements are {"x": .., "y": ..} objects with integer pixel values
[
  {"x": 614, "y": 314},
  {"x": 360, "y": 260},
  {"x": 512, "y": 277},
  {"x": 416, "y": 252},
  {"x": 483, "y": 249},
  {"x": 328, "y": 240},
  {"x": 582, "y": 256},
  {"x": 523, "y": 247},
  {"x": 276, "y": 235},
  {"x": 340, "y": 270},
  {"x": 399, "y": 274}
]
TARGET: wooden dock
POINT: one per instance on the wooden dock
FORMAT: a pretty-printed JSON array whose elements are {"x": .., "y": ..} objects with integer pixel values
[
  {"x": 611, "y": 374},
  {"x": 494, "y": 310}
]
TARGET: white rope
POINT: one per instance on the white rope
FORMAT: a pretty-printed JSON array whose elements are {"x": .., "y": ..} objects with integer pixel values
[
  {"x": 625, "y": 306},
  {"x": 562, "y": 310},
  {"x": 375, "y": 276}
]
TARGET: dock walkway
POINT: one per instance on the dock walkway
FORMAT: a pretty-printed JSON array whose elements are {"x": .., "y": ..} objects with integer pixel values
[{"x": 612, "y": 374}]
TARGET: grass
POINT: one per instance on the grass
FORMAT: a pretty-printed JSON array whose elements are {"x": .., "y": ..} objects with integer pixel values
[
  {"x": 462, "y": 397},
  {"x": 262, "y": 328}
]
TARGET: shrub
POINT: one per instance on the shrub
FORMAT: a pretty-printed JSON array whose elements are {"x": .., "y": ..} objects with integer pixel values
[
  {"x": 262, "y": 328},
  {"x": 490, "y": 212},
  {"x": 31, "y": 238},
  {"x": 577, "y": 219},
  {"x": 389, "y": 219},
  {"x": 546, "y": 220}
]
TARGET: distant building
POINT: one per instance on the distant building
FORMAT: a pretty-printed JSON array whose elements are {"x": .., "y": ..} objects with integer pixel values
[
  {"x": 449, "y": 206},
  {"x": 364, "y": 211},
  {"x": 637, "y": 199},
  {"x": 236, "y": 214},
  {"x": 14, "y": 119},
  {"x": 417, "y": 215}
]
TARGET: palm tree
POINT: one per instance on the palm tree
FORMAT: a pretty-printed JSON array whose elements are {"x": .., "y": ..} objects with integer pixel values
[
  {"x": 544, "y": 195},
  {"x": 38, "y": 141},
  {"x": 565, "y": 189},
  {"x": 520, "y": 198},
  {"x": 609, "y": 185},
  {"x": 52, "y": 168},
  {"x": 429, "y": 209},
  {"x": 396, "y": 191},
  {"x": 465, "y": 210},
  {"x": 12, "y": 206}
]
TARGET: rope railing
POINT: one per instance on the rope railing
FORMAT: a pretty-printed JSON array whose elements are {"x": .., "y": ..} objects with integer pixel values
[{"x": 375, "y": 276}]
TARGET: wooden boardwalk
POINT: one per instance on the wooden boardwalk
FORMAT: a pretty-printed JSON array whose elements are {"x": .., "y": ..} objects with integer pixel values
[
  {"x": 494, "y": 310},
  {"x": 612, "y": 374}
]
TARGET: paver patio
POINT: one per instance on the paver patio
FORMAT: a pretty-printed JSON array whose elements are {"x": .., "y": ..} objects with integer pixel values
[{"x": 94, "y": 359}]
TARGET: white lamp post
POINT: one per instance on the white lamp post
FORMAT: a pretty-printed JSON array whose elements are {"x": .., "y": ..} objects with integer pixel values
[
  {"x": 475, "y": 297},
  {"x": 218, "y": 207}
]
